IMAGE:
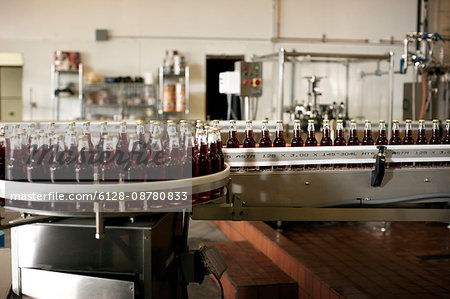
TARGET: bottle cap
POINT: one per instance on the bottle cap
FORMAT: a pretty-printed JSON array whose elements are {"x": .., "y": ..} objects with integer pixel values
[
  {"x": 279, "y": 121},
  {"x": 339, "y": 121},
  {"x": 108, "y": 137},
  {"x": 83, "y": 137},
  {"x": 395, "y": 121},
  {"x": 232, "y": 121},
  {"x": 382, "y": 121},
  {"x": 353, "y": 120},
  {"x": 368, "y": 121},
  {"x": 123, "y": 122},
  {"x": 435, "y": 120},
  {"x": 265, "y": 121},
  {"x": 248, "y": 121},
  {"x": 140, "y": 122},
  {"x": 296, "y": 121},
  {"x": 87, "y": 123},
  {"x": 183, "y": 121},
  {"x": 408, "y": 121},
  {"x": 51, "y": 123},
  {"x": 421, "y": 121},
  {"x": 104, "y": 122}
]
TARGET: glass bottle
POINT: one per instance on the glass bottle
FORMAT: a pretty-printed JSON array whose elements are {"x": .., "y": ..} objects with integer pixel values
[
  {"x": 435, "y": 137},
  {"x": 353, "y": 138},
  {"x": 214, "y": 157},
  {"x": 99, "y": 146},
  {"x": 421, "y": 136},
  {"x": 395, "y": 140},
  {"x": 326, "y": 139},
  {"x": 204, "y": 163},
  {"x": 435, "y": 133},
  {"x": 447, "y": 132},
  {"x": 311, "y": 139},
  {"x": 135, "y": 170},
  {"x": 219, "y": 147},
  {"x": 174, "y": 162},
  {"x": 122, "y": 153},
  {"x": 233, "y": 141},
  {"x": 84, "y": 170},
  {"x": 35, "y": 169},
  {"x": 382, "y": 138},
  {"x": 297, "y": 140},
  {"x": 339, "y": 139},
  {"x": 108, "y": 171},
  {"x": 265, "y": 141},
  {"x": 279, "y": 135},
  {"x": 249, "y": 140},
  {"x": 367, "y": 139},
  {"x": 87, "y": 132},
  {"x": 408, "y": 138},
  {"x": 15, "y": 163},
  {"x": 59, "y": 170},
  {"x": 183, "y": 130},
  {"x": 155, "y": 170},
  {"x": 190, "y": 164}
]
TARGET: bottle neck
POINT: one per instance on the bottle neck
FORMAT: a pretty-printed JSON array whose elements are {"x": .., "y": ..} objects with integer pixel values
[{"x": 311, "y": 131}]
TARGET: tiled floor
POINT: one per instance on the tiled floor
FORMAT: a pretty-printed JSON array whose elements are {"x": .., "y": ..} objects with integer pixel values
[
  {"x": 356, "y": 260},
  {"x": 399, "y": 260},
  {"x": 251, "y": 274}
]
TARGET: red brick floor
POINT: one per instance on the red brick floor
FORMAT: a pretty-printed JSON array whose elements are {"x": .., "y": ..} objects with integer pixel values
[
  {"x": 356, "y": 260},
  {"x": 251, "y": 275}
]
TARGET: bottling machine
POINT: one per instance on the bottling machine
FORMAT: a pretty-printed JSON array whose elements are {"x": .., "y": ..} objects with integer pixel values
[{"x": 142, "y": 253}]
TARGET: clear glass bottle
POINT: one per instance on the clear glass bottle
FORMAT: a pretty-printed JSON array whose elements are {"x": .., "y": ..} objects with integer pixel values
[
  {"x": 382, "y": 136},
  {"x": 233, "y": 141},
  {"x": 297, "y": 140},
  {"x": 249, "y": 141}
]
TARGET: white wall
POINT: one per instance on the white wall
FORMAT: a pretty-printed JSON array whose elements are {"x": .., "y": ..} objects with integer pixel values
[{"x": 37, "y": 28}]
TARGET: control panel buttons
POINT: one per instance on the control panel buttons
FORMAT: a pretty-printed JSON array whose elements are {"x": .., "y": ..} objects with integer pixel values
[
  {"x": 245, "y": 82},
  {"x": 256, "y": 82}
]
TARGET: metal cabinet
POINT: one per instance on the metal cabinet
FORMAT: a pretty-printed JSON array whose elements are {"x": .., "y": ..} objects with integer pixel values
[{"x": 11, "y": 93}]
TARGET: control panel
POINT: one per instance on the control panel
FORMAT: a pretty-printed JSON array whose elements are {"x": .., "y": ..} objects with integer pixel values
[{"x": 250, "y": 78}]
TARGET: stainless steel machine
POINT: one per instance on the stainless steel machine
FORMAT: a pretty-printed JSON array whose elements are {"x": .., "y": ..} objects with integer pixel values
[{"x": 142, "y": 253}]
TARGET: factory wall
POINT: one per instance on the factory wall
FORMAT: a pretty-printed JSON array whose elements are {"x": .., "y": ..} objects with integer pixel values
[{"x": 37, "y": 28}]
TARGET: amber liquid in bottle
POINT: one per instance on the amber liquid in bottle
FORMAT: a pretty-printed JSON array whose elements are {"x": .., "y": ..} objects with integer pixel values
[
  {"x": 204, "y": 164},
  {"x": 353, "y": 140},
  {"x": 311, "y": 140},
  {"x": 339, "y": 139},
  {"x": 395, "y": 140},
  {"x": 265, "y": 141},
  {"x": 279, "y": 141},
  {"x": 297, "y": 140},
  {"x": 408, "y": 140},
  {"x": 233, "y": 141}
]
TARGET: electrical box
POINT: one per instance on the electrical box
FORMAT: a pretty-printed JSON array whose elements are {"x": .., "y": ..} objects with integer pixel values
[
  {"x": 250, "y": 78},
  {"x": 245, "y": 81}
]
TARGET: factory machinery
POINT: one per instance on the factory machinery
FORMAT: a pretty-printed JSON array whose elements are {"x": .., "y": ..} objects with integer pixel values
[{"x": 141, "y": 252}]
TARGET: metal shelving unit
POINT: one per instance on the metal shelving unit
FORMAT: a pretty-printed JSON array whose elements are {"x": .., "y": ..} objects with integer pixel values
[
  {"x": 172, "y": 78},
  {"x": 57, "y": 80},
  {"x": 119, "y": 101}
]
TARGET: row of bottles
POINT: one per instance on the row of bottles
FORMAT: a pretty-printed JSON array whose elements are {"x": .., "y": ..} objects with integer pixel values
[
  {"x": 339, "y": 140},
  {"x": 154, "y": 153}
]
